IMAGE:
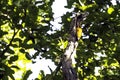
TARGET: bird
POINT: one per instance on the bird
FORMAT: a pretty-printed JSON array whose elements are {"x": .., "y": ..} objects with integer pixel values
[
  {"x": 79, "y": 18},
  {"x": 78, "y": 33}
]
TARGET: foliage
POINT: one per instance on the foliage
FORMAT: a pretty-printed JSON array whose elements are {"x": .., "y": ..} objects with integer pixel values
[
  {"x": 24, "y": 25},
  {"x": 99, "y": 47}
]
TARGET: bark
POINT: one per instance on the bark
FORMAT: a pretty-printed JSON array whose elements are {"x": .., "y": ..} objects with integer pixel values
[{"x": 68, "y": 71}]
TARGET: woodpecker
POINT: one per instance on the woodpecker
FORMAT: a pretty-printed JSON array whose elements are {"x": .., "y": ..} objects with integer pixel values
[
  {"x": 79, "y": 18},
  {"x": 75, "y": 27},
  {"x": 78, "y": 33}
]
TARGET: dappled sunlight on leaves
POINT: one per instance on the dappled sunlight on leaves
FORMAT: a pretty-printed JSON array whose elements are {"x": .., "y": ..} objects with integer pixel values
[{"x": 25, "y": 26}]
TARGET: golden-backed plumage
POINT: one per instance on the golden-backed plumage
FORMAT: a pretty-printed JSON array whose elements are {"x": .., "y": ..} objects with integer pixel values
[{"x": 78, "y": 32}]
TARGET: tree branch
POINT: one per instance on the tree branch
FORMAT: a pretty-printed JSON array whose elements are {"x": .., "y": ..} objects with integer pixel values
[
  {"x": 66, "y": 62},
  {"x": 7, "y": 47},
  {"x": 75, "y": 33}
]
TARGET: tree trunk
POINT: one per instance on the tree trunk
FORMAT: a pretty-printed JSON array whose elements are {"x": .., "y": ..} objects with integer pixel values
[{"x": 69, "y": 72}]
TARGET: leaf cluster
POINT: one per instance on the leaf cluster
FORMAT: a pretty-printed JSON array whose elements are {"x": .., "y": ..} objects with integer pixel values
[{"x": 26, "y": 25}]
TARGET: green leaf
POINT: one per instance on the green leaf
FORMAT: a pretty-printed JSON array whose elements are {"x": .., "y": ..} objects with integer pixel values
[
  {"x": 8, "y": 70},
  {"x": 13, "y": 59},
  {"x": 22, "y": 50},
  {"x": 16, "y": 67},
  {"x": 17, "y": 39},
  {"x": 27, "y": 74},
  {"x": 2, "y": 33},
  {"x": 28, "y": 56},
  {"x": 14, "y": 45},
  {"x": 10, "y": 51},
  {"x": 110, "y": 10},
  {"x": 35, "y": 55},
  {"x": 12, "y": 77}
]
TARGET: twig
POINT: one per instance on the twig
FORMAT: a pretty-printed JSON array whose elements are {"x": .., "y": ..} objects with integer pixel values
[{"x": 7, "y": 47}]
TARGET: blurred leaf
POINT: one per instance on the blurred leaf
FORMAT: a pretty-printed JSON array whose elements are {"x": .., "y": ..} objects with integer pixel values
[
  {"x": 5, "y": 78},
  {"x": 17, "y": 39},
  {"x": 14, "y": 45},
  {"x": 13, "y": 58},
  {"x": 10, "y": 51},
  {"x": 12, "y": 77},
  {"x": 22, "y": 50},
  {"x": 62, "y": 44},
  {"x": 110, "y": 10},
  {"x": 27, "y": 74},
  {"x": 2, "y": 73},
  {"x": 8, "y": 70},
  {"x": 3, "y": 33},
  {"x": 16, "y": 67},
  {"x": 28, "y": 56},
  {"x": 35, "y": 55}
]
